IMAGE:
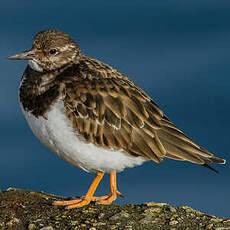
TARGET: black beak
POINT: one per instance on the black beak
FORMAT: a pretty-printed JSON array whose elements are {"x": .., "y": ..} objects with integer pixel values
[{"x": 26, "y": 55}]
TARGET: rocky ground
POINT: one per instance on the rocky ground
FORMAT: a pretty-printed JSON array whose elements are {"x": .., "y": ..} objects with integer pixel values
[{"x": 33, "y": 211}]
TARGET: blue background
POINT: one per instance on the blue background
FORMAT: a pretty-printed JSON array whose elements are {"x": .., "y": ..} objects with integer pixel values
[{"x": 178, "y": 51}]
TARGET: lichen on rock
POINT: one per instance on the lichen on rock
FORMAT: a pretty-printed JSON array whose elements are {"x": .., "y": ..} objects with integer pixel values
[{"x": 31, "y": 210}]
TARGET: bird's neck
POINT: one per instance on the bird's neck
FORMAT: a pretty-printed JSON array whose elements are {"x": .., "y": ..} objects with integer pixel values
[
  {"x": 38, "y": 82},
  {"x": 38, "y": 90}
]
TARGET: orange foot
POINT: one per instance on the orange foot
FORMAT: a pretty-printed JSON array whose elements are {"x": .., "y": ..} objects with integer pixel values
[
  {"x": 75, "y": 203},
  {"x": 107, "y": 199},
  {"x": 85, "y": 200}
]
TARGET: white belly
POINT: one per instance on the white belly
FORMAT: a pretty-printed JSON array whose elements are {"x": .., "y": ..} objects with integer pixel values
[{"x": 55, "y": 131}]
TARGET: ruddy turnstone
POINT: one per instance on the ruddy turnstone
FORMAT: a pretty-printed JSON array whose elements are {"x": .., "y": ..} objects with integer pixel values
[{"x": 95, "y": 117}]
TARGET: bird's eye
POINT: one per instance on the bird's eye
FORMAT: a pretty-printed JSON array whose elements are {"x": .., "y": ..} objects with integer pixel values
[{"x": 53, "y": 51}]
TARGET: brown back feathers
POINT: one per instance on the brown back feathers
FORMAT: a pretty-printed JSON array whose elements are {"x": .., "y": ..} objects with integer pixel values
[{"x": 109, "y": 110}]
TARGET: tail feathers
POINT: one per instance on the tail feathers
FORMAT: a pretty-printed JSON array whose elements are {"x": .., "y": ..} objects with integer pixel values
[
  {"x": 215, "y": 160},
  {"x": 209, "y": 167},
  {"x": 176, "y": 152},
  {"x": 179, "y": 147}
]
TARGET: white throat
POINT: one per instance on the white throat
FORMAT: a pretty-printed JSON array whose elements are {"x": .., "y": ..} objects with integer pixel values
[{"x": 35, "y": 66}]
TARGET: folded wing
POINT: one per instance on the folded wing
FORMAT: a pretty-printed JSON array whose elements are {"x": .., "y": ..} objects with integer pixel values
[{"x": 114, "y": 113}]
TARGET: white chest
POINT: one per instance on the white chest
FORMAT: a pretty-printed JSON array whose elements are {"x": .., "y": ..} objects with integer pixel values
[{"x": 55, "y": 131}]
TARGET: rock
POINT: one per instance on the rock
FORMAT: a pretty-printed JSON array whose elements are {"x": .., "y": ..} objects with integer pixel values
[
  {"x": 31, "y": 227},
  {"x": 120, "y": 215},
  {"x": 47, "y": 228},
  {"x": 34, "y": 211}
]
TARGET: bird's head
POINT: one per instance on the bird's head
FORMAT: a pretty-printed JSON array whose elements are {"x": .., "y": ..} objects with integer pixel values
[{"x": 51, "y": 50}]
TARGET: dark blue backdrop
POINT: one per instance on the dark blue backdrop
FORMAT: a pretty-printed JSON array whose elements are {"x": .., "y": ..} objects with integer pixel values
[{"x": 178, "y": 51}]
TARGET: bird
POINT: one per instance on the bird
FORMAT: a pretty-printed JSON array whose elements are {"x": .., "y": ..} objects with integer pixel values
[{"x": 94, "y": 116}]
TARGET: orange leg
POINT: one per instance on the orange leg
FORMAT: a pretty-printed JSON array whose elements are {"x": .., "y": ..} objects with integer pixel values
[
  {"x": 108, "y": 199},
  {"x": 79, "y": 202},
  {"x": 84, "y": 200}
]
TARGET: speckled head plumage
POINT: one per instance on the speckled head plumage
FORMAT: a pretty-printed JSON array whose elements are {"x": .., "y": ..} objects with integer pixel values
[{"x": 51, "y": 50}]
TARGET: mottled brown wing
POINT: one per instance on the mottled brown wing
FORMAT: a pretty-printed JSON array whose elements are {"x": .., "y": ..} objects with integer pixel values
[{"x": 115, "y": 113}]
